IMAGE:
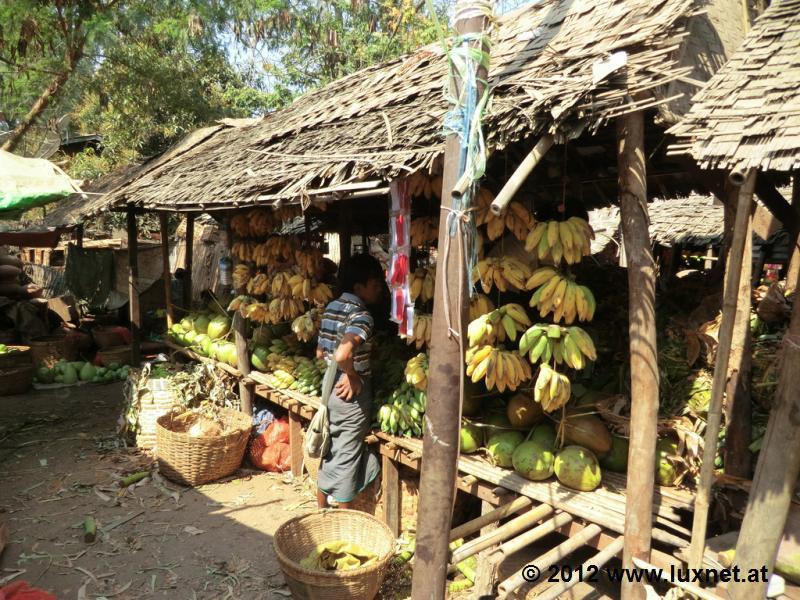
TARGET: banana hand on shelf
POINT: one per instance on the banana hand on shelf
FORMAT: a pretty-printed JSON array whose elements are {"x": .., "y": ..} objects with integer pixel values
[
  {"x": 552, "y": 389},
  {"x": 417, "y": 371},
  {"x": 569, "y": 345},
  {"x": 498, "y": 367},
  {"x": 559, "y": 294},
  {"x": 570, "y": 240}
]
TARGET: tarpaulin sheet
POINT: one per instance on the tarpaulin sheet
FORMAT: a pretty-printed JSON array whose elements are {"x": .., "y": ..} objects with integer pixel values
[{"x": 29, "y": 182}]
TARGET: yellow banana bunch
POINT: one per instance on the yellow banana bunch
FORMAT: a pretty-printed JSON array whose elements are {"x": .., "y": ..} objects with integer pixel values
[
  {"x": 241, "y": 275},
  {"x": 424, "y": 230},
  {"x": 499, "y": 368},
  {"x": 423, "y": 326},
  {"x": 241, "y": 303},
  {"x": 506, "y": 273},
  {"x": 552, "y": 389},
  {"x": 260, "y": 222},
  {"x": 308, "y": 259},
  {"x": 497, "y": 325},
  {"x": 517, "y": 219},
  {"x": 421, "y": 185},
  {"x": 276, "y": 249},
  {"x": 240, "y": 225},
  {"x": 480, "y": 305},
  {"x": 570, "y": 240},
  {"x": 259, "y": 312},
  {"x": 280, "y": 284},
  {"x": 258, "y": 285},
  {"x": 423, "y": 281},
  {"x": 301, "y": 286},
  {"x": 416, "y": 371},
  {"x": 557, "y": 292},
  {"x": 284, "y": 309},
  {"x": 244, "y": 251},
  {"x": 569, "y": 345},
  {"x": 321, "y": 294},
  {"x": 306, "y": 326}
]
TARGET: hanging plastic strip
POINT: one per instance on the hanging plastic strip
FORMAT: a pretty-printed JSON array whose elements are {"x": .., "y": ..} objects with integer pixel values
[{"x": 399, "y": 267}]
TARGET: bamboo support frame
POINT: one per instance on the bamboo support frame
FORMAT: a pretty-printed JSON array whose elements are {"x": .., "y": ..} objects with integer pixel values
[
  {"x": 518, "y": 543},
  {"x": 733, "y": 275},
  {"x": 521, "y": 173},
  {"x": 498, "y": 513}
]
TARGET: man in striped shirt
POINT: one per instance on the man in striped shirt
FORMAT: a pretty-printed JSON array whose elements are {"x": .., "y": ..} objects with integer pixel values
[{"x": 345, "y": 337}]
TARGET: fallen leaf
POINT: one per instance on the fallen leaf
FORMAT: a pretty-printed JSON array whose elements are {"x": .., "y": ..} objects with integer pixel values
[{"x": 193, "y": 530}]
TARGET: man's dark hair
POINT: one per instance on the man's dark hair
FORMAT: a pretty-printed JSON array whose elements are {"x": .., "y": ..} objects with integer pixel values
[{"x": 359, "y": 268}]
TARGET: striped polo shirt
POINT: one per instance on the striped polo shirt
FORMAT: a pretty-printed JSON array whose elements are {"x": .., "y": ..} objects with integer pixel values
[{"x": 347, "y": 314}]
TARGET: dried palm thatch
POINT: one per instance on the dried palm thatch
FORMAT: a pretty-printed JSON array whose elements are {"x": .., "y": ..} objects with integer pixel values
[
  {"x": 748, "y": 115},
  {"x": 550, "y": 72}
]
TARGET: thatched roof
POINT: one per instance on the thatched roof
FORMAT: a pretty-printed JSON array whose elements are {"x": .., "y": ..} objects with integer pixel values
[
  {"x": 748, "y": 115},
  {"x": 547, "y": 71}
]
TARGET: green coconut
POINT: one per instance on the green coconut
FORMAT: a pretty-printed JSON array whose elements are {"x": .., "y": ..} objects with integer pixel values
[
  {"x": 588, "y": 431},
  {"x": 471, "y": 438},
  {"x": 259, "y": 358},
  {"x": 187, "y": 322},
  {"x": 532, "y": 461},
  {"x": 544, "y": 435},
  {"x": 666, "y": 471},
  {"x": 523, "y": 412},
  {"x": 577, "y": 468},
  {"x": 617, "y": 458},
  {"x": 189, "y": 337},
  {"x": 218, "y": 327},
  {"x": 202, "y": 342},
  {"x": 501, "y": 447},
  {"x": 201, "y": 324},
  {"x": 497, "y": 421}
]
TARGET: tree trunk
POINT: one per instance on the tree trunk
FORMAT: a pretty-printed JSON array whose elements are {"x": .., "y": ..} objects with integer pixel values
[{"x": 71, "y": 58}]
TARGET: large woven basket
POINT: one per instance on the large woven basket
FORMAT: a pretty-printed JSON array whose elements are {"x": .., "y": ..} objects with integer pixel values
[
  {"x": 296, "y": 538},
  {"x": 16, "y": 380},
  {"x": 197, "y": 460},
  {"x": 116, "y": 354},
  {"x": 19, "y": 358},
  {"x": 49, "y": 350}
]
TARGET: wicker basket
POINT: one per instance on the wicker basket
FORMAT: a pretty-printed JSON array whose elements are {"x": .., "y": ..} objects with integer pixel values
[
  {"x": 106, "y": 337},
  {"x": 196, "y": 460},
  {"x": 296, "y": 538},
  {"x": 117, "y": 354},
  {"x": 20, "y": 358},
  {"x": 49, "y": 350},
  {"x": 17, "y": 380}
]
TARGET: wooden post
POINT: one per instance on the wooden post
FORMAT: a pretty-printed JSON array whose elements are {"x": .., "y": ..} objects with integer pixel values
[
  {"x": 163, "y": 220},
  {"x": 642, "y": 331},
  {"x": 776, "y": 472},
  {"x": 732, "y": 279},
  {"x": 133, "y": 288},
  {"x": 738, "y": 410},
  {"x": 246, "y": 387},
  {"x": 296, "y": 443},
  {"x": 79, "y": 235},
  {"x": 390, "y": 485},
  {"x": 441, "y": 442},
  {"x": 793, "y": 270},
  {"x": 709, "y": 263},
  {"x": 187, "y": 264}
]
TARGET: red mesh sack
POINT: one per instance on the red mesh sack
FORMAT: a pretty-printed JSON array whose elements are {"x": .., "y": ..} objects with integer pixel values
[
  {"x": 20, "y": 590},
  {"x": 277, "y": 458},
  {"x": 278, "y": 431},
  {"x": 255, "y": 449}
]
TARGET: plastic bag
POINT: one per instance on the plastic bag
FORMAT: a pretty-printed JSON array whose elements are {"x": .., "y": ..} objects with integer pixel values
[{"x": 278, "y": 431}]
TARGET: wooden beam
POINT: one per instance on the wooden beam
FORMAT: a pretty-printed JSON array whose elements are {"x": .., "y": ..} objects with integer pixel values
[
  {"x": 246, "y": 388},
  {"x": 441, "y": 442},
  {"x": 786, "y": 213},
  {"x": 730, "y": 301},
  {"x": 643, "y": 349},
  {"x": 793, "y": 270},
  {"x": 133, "y": 288},
  {"x": 392, "y": 506},
  {"x": 187, "y": 264},
  {"x": 776, "y": 473},
  {"x": 163, "y": 220}
]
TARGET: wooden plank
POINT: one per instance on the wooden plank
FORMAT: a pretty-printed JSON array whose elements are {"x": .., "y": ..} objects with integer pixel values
[
  {"x": 392, "y": 508},
  {"x": 133, "y": 289},
  {"x": 296, "y": 443}
]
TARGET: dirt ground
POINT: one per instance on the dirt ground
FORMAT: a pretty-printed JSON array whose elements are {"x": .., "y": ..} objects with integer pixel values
[{"x": 60, "y": 461}]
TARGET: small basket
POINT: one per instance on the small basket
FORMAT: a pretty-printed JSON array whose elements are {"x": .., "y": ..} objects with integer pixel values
[
  {"x": 20, "y": 358},
  {"x": 106, "y": 337},
  {"x": 117, "y": 354},
  {"x": 197, "y": 460},
  {"x": 17, "y": 380},
  {"x": 296, "y": 538},
  {"x": 47, "y": 351}
]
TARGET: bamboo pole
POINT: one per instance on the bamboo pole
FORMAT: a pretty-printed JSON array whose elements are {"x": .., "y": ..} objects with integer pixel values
[
  {"x": 163, "y": 221},
  {"x": 776, "y": 472},
  {"x": 133, "y": 287},
  {"x": 490, "y": 517},
  {"x": 537, "y": 533},
  {"x": 519, "y": 176},
  {"x": 643, "y": 349},
  {"x": 441, "y": 440},
  {"x": 596, "y": 562},
  {"x": 188, "y": 260},
  {"x": 732, "y": 278}
]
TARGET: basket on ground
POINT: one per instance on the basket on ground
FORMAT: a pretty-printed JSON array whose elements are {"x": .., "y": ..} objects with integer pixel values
[
  {"x": 18, "y": 356},
  {"x": 194, "y": 460},
  {"x": 48, "y": 350},
  {"x": 116, "y": 354},
  {"x": 296, "y": 538},
  {"x": 16, "y": 380}
]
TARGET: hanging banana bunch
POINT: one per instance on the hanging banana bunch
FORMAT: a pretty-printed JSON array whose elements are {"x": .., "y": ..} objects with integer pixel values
[
  {"x": 556, "y": 292},
  {"x": 241, "y": 275},
  {"x": 552, "y": 389},
  {"x": 423, "y": 281},
  {"x": 505, "y": 273},
  {"x": 480, "y": 305},
  {"x": 261, "y": 222},
  {"x": 424, "y": 230},
  {"x": 498, "y": 325},
  {"x": 517, "y": 219},
  {"x": 308, "y": 260},
  {"x": 570, "y": 240},
  {"x": 420, "y": 185},
  {"x": 423, "y": 326},
  {"x": 241, "y": 304},
  {"x": 498, "y": 367},
  {"x": 416, "y": 371},
  {"x": 568, "y": 345},
  {"x": 258, "y": 285},
  {"x": 307, "y": 325}
]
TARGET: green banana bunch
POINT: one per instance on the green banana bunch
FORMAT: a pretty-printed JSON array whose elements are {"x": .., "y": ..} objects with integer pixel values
[
  {"x": 569, "y": 345},
  {"x": 403, "y": 411}
]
